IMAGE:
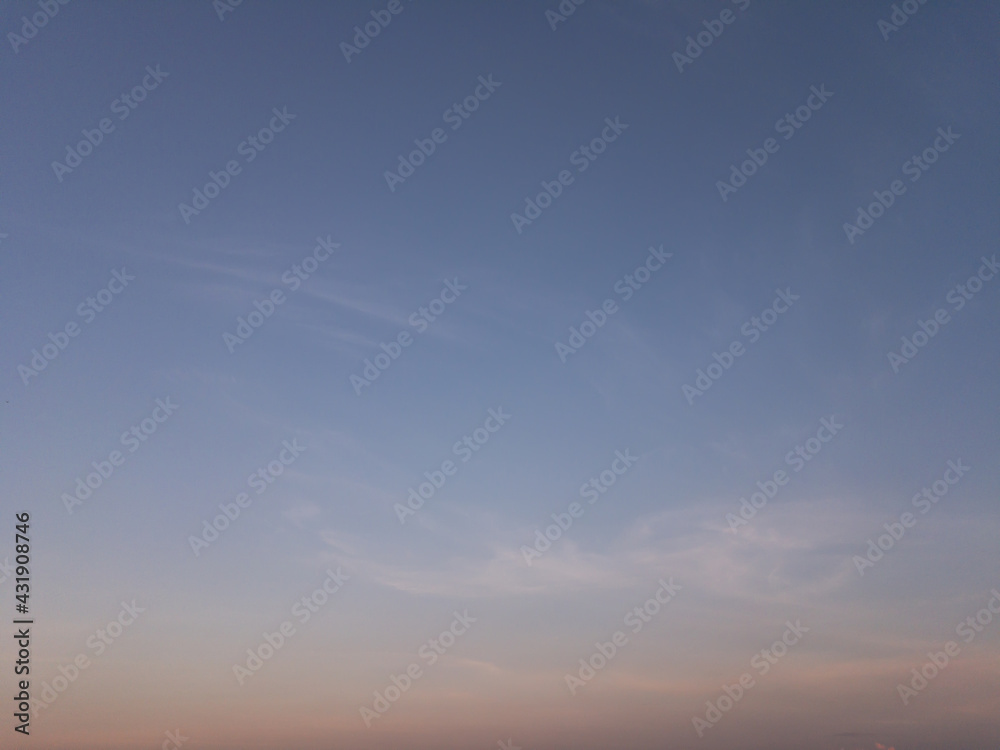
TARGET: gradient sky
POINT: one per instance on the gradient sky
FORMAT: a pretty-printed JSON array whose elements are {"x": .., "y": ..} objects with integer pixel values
[{"x": 655, "y": 186}]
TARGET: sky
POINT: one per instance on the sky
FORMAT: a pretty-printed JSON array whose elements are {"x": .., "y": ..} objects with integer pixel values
[{"x": 540, "y": 375}]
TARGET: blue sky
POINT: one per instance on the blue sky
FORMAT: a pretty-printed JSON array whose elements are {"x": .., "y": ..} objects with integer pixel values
[{"x": 323, "y": 177}]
